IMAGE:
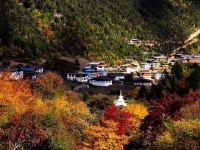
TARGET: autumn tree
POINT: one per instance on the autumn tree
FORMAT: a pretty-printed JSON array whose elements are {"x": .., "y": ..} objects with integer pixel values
[
  {"x": 28, "y": 121},
  {"x": 74, "y": 115},
  {"x": 15, "y": 96},
  {"x": 134, "y": 93},
  {"x": 73, "y": 96},
  {"x": 109, "y": 132},
  {"x": 61, "y": 140},
  {"x": 121, "y": 117},
  {"x": 115, "y": 128},
  {"x": 48, "y": 84},
  {"x": 103, "y": 136},
  {"x": 139, "y": 111},
  {"x": 27, "y": 129},
  {"x": 164, "y": 113}
]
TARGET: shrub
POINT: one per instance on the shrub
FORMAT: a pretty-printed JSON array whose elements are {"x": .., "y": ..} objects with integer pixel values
[{"x": 60, "y": 141}]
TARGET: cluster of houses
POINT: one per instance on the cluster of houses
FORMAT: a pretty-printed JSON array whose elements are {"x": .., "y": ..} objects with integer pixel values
[
  {"x": 135, "y": 41},
  {"x": 184, "y": 58},
  {"x": 30, "y": 72},
  {"x": 143, "y": 74},
  {"x": 94, "y": 73},
  {"x": 100, "y": 74}
]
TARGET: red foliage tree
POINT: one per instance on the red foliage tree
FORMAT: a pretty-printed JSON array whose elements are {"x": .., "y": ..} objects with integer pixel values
[
  {"x": 171, "y": 103},
  {"x": 117, "y": 115},
  {"x": 192, "y": 96},
  {"x": 111, "y": 112},
  {"x": 169, "y": 106}
]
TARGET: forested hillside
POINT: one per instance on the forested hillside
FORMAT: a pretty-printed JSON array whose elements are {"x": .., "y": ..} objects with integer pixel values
[{"x": 93, "y": 28}]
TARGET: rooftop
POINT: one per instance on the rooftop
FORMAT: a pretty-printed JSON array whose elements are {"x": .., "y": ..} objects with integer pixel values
[
  {"x": 142, "y": 80},
  {"x": 102, "y": 78}
]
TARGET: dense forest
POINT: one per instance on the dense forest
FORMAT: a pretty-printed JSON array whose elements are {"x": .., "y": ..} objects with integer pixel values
[{"x": 96, "y": 28}]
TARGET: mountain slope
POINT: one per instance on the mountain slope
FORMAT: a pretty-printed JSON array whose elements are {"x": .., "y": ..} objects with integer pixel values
[{"x": 95, "y": 28}]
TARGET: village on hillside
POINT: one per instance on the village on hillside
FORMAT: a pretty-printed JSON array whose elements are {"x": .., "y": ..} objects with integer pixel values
[
  {"x": 144, "y": 73},
  {"x": 100, "y": 74}
]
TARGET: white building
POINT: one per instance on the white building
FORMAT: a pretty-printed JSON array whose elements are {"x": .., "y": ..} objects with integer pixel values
[
  {"x": 82, "y": 78},
  {"x": 172, "y": 62},
  {"x": 145, "y": 66},
  {"x": 120, "y": 101},
  {"x": 101, "y": 81},
  {"x": 71, "y": 76},
  {"x": 39, "y": 69},
  {"x": 57, "y": 15},
  {"x": 142, "y": 82},
  {"x": 155, "y": 64},
  {"x": 34, "y": 76},
  {"x": 96, "y": 63},
  {"x": 112, "y": 69},
  {"x": 116, "y": 76},
  {"x": 158, "y": 75},
  {"x": 129, "y": 68},
  {"x": 160, "y": 58},
  {"x": 17, "y": 74},
  {"x": 100, "y": 68},
  {"x": 93, "y": 67},
  {"x": 134, "y": 41}
]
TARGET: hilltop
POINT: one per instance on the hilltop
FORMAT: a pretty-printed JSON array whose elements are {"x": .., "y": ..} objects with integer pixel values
[{"x": 95, "y": 29}]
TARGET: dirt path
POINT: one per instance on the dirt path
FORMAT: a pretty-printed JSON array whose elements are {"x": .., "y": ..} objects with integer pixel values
[
  {"x": 82, "y": 61},
  {"x": 192, "y": 36},
  {"x": 191, "y": 39}
]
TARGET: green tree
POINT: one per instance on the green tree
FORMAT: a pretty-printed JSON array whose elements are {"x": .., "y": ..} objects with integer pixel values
[
  {"x": 177, "y": 71},
  {"x": 194, "y": 78}
]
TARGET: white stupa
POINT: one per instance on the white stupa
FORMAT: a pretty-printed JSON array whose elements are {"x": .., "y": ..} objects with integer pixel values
[{"x": 120, "y": 101}]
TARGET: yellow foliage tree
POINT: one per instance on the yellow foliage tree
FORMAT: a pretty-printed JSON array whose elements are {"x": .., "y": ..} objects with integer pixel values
[
  {"x": 40, "y": 106},
  {"x": 103, "y": 137},
  {"x": 42, "y": 25},
  {"x": 139, "y": 111},
  {"x": 14, "y": 93},
  {"x": 75, "y": 115}
]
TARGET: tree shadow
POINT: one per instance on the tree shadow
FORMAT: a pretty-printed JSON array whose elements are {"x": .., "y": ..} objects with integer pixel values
[{"x": 62, "y": 66}]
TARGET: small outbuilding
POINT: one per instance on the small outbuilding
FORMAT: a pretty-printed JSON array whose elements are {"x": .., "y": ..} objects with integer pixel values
[
  {"x": 142, "y": 82},
  {"x": 101, "y": 81},
  {"x": 116, "y": 76}
]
